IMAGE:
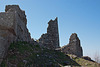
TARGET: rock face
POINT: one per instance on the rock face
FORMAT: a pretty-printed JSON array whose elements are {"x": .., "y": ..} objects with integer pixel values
[
  {"x": 73, "y": 47},
  {"x": 51, "y": 38},
  {"x": 12, "y": 28}
]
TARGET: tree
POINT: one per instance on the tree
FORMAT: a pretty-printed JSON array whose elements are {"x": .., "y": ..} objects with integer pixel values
[{"x": 97, "y": 57}]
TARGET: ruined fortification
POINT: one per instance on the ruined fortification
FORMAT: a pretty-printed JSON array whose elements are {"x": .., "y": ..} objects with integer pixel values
[
  {"x": 74, "y": 46},
  {"x": 12, "y": 28},
  {"x": 51, "y": 38}
]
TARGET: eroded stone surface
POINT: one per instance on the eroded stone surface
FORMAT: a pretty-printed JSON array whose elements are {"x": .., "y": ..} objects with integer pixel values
[
  {"x": 74, "y": 46},
  {"x": 12, "y": 28},
  {"x": 51, "y": 38}
]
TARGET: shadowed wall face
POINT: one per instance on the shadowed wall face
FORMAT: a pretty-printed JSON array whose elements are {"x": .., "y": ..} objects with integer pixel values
[{"x": 51, "y": 38}]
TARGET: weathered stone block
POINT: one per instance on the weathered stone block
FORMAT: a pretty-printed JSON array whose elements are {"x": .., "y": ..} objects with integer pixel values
[{"x": 7, "y": 20}]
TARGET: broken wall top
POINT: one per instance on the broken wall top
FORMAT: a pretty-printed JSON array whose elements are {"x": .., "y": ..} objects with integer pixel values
[{"x": 16, "y": 9}]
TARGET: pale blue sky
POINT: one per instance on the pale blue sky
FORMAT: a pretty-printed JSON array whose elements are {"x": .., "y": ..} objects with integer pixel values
[{"x": 74, "y": 16}]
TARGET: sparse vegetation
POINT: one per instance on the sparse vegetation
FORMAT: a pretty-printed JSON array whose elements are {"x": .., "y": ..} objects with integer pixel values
[
  {"x": 84, "y": 62},
  {"x": 97, "y": 57},
  {"x": 23, "y": 54}
]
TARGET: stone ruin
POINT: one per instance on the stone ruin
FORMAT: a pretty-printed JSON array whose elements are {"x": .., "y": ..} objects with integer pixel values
[
  {"x": 74, "y": 46},
  {"x": 50, "y": 40},
  {"x": 12, "y": 28}
]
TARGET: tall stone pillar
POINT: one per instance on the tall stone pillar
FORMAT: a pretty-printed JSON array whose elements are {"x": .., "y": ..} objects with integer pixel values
[{"x": 51, "y": 38}]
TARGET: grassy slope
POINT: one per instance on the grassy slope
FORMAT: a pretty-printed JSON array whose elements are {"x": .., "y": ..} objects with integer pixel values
[
  {"x": 85, "y": 63},
  {"x": 23, "y": 54}
]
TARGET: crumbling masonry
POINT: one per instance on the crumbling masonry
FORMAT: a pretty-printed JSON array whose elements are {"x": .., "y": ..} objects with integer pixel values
[
  {"x": 12, "y": 28},
  {"x": 51, "y": 38},
  {"x": 74, "y": 46}
]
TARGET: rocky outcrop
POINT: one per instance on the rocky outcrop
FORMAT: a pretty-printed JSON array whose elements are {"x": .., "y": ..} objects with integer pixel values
[
  {"x": 51, "y": 38},
  {"x": 12, "y": 28},
  {"x": 87, "y": 58},
  {"x": 73, "y": 47}
]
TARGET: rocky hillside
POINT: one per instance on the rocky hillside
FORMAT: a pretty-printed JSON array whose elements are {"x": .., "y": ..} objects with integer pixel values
[
  {"x": 23, "y": 54},
  {"x": 84, "y": 62}
]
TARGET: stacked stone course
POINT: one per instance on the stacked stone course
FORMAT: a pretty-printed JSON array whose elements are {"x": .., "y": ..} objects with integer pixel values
[{"x": 51, "y": 38}]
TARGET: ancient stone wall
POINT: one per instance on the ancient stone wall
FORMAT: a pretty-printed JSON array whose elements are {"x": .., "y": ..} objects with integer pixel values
[
  {"x": 74, "y": 46},
  {"x": 51, "y": 38},
  {"x": 20, "y": 23},
  {"x": 12, "y": 28}
]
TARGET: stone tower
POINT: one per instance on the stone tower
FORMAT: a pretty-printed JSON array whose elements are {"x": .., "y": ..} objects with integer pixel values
[
  {"x": 51, "y": 38},
  {"x": 74, "y": 46},
  {"x": 13, "y": 27}
]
